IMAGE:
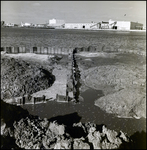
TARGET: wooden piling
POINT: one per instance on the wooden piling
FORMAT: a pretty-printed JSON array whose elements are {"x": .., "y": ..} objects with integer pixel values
[
  {"x": 34, "y": 99},
  {"x": 35, "y": 50},
  {"x": 23, "y": 49},
  {"x": 23, "y": 100},
  {"x": 45, "y": 50},
  {"x": 20, "y": 50}
]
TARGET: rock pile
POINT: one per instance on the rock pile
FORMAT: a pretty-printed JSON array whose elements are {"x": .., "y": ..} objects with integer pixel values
[
  {"x": 19, "y": 78},
  {"x": 31, "y": 132},
  {"x": 37, "y": 134}
]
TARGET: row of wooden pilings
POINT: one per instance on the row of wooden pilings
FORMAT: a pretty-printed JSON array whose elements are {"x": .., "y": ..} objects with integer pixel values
[
  {"x": 33, "y": 100},
  {"x": 49, "y": 50},
  {"x": 37, "y": 50}
]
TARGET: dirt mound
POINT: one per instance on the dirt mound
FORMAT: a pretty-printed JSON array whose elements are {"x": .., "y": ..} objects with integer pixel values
[
  {"x": 120, "y": 76},
  {"x": 129, "y": 102},
  {"x": 19, "y": 77},
  {"x": 123, "y": 87}
]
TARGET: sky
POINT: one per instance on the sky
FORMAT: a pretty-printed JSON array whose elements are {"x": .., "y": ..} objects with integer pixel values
[{"x": 73, "y": 11}]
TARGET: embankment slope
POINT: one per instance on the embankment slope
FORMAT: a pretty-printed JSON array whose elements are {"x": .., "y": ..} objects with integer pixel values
[{"x": 19, "y": 77}]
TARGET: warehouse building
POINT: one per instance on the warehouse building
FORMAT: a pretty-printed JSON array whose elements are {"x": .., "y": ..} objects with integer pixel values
[
  {"x": 25, "y": 24},
  {"x": 56, "y": 23},
  {"x": 104, "y": 25},
  {"x": 81, "y": 25},
  {"x": 125, "y": 25}
]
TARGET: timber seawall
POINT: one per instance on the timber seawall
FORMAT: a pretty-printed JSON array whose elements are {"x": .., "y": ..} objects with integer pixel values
[{"x": 67, "y": 50}]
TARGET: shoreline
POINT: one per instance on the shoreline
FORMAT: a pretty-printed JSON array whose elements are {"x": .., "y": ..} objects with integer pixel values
[
  {"x": 80, "y": 29},
  {"x": 106, "y": 30}
]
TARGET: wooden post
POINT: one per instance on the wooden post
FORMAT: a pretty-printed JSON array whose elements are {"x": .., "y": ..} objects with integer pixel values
[
  {"x": 23, "y": 49},
  {"x": 20, "y": 50},
  {"x": 49, "y": 50},
  {"x": 34, "y": 99},
  {"x": 42, "y": 50},
  {"x": 66, "y": 92},
  {"x": 20, "y": 100},
  {"x": 12, "y": 50},
  {"x": 45, "y": 50},
  {"x": 23, "y": 100},
  {"x": 35, "y": 50}
]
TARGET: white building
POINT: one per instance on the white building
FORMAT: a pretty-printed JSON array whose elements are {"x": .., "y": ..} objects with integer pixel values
[
  {"x": 9, "y": 24},
  {"x": 125, "y": 25},
  {"x": 52, "y": 21},
  {"x": 81, "y": 25},
  {"x": 119, "y": 25},
  {"x": 25, "y": 24},
  {"x": 56, "y": 22}
]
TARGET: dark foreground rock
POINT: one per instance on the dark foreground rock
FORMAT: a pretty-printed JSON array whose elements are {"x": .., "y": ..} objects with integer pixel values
[{"x": 31, "y": 132}]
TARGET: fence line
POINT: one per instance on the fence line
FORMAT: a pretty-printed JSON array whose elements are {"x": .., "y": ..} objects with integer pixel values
[{"x": 29, "y": 99}]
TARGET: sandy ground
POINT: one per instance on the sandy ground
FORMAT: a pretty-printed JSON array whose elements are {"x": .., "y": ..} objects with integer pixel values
[
  {"x": 58, "y": 87},
  {"x": 97, "y": 54}
]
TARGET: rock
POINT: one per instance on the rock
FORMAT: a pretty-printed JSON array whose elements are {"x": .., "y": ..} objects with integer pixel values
[
  {"x": 108, "y": 139},
  {"x": 111, "y": 135},
  {"x": 63, "y": 144},
  {"x": 54, "y": 135},
  {"x": 49, "y": 140},
  {"x": 3, "y": 127},
  {"x": 28, "y": 133},
  {"x": 79, "y": 144},
  {"x": 95, "y": 139},
  {"x": 44, "y": 123},
  {"x": 79, "y": 124},
  {"x": 106, "y": 145},
  {"x": 123, "y": 136},
  {"x": 92, "y": 129},
  {"x": 57, "y": 129},
  {"x": 88, "y": 125},
  {"x": 32, "y": 132}
]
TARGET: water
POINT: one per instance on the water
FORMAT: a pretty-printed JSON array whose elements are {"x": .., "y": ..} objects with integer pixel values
[
  {"x": 79, "y": 38},
  {"x": 89, "y": 113},
  {"x": 72, "y": 38}
]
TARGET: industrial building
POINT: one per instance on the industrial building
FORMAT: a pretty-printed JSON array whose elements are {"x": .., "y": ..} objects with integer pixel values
[
  {"x": 25, "y": 24},
  {"x": 9, "y": 25},
  {"x": 125, "y": 25},
  {"x": 111, "y": 24},
  {"x": 104, "y": 25},
  {"x": 117, "y": 25},
  {"x": 81, "y": 25},
  {"x": 56, "y": 23}
]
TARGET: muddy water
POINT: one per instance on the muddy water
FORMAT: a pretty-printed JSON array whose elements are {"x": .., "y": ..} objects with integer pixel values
[{"x": 88, "y": 112}]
